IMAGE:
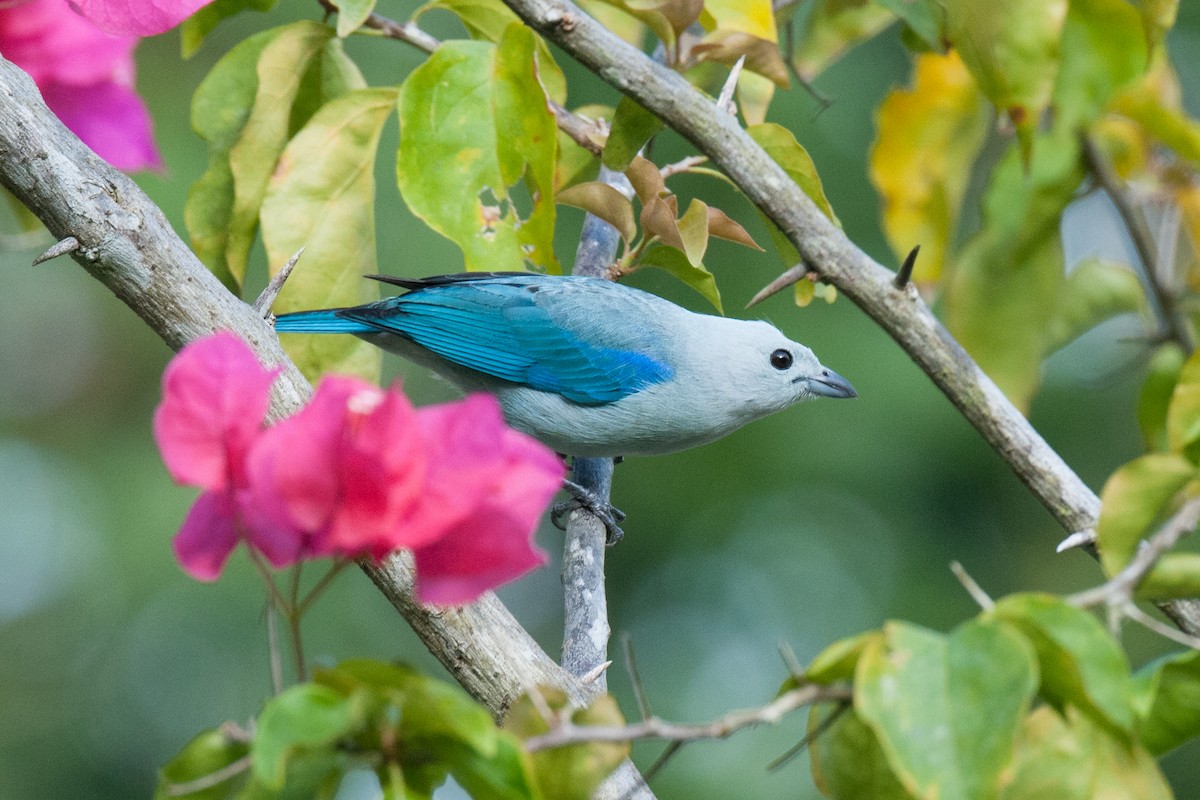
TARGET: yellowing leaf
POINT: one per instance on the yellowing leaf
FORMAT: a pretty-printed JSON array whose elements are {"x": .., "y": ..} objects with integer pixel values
[
  {"x": 1161, "y": 376},
  {"x": 1134, "y": 499},
  {"x": 473, "y": 123},
  {"x": 322, "y": 198},
  {"x": 1183, "y": 414},
  {"x": 666, "y": 18},
  {"x": 739, "y": 28},
  {"x": 754, "y": 93},
  {"x": 280, "y": 69},
  {"x": 1012, "y": 50},
  {"x": 928, "y": 139},
  {"x": 624, "y": 25},
  {"x": 352, "y": 14}
]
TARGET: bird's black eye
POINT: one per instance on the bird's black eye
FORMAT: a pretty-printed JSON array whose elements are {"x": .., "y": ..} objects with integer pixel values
[{"x": 781, "y": 359}]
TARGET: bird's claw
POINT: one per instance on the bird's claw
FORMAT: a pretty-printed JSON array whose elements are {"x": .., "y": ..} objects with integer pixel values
[{"x": 586, "y": 499}]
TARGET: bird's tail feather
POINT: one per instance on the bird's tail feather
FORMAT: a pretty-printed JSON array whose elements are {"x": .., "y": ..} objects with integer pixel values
[{"x": 326, "y": 321}]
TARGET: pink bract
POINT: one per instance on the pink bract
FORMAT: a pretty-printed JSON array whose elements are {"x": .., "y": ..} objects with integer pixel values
[
  {"x": 86, "y": 77},
  {"x": 138, "y": 17},
  {"x": 342, "y": 473},
  {"x": 488, "y": 486}
]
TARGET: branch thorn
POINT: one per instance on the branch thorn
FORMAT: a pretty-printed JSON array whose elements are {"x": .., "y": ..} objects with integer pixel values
[
  {"x": 725, "y": 99},
  {"x": 904, "y": 274},
  {"x": 59, "y": 248},
  {"x": 265, "y": 300}
]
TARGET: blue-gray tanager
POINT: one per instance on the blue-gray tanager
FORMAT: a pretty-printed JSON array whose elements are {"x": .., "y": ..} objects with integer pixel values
[{"x": 589, "y": 367}]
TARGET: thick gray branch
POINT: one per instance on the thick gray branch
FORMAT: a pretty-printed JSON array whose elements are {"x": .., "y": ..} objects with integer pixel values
[
  {"x": 839, "y": 261},
  {"x": 128, "y": 245}
]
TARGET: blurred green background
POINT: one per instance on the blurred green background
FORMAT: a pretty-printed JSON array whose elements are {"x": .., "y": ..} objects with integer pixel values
[{"x": 813, "y": 524}]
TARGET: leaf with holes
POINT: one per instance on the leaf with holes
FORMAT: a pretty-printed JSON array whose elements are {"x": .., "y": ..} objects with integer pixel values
[{"x": 477, "y": 147}]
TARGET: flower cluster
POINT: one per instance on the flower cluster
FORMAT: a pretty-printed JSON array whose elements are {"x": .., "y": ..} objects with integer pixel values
[
  {"x": 85, "y": 74},
  {"x": 357, "y": 472}
]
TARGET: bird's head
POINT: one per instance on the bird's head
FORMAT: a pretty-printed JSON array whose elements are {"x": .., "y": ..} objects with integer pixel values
[{"x": 773, "y": 372}]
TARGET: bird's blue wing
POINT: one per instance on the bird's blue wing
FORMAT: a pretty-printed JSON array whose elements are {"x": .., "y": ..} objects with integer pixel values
[{"x": 502, "y": 327}]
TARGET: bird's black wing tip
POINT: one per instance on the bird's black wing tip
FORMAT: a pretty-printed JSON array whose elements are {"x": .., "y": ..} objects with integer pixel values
[{"x": 412, "y": 284}]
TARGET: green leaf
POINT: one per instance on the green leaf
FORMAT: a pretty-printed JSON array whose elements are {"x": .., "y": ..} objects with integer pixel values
[
  {"x": 322, "y": 198},
  {"x": 632, "y": 127},
  {"x": 429, "y": 709},
  {"x": 220, "y": 108},
  {"x": 507, "y": 774},
  {"x": 1012, "y": 50},
  {"x": 1169, "y": 695},
  {"x": 947, "y": 709},
  {"x": 676, "y": 263},
  {"x": 781, "y": 145},
  {"x": 928, "y": 138},
  {"x": 1120, "y": 771},
  {"x": 1103, "y": 49},
  {"x": 1004, "y": 292},
  {"x": 605, "y": 202},
  {"x": 573, "y": 772},
  {"x": 196, "y": 28},
  {"x": 209, "y": 752},
  {"x": 847, "y": 761},
  {"x": 1175, "y": 576},
  {"x": 1162, "y": 374},
  {"x": 488, "y": 20},
  {"x": 838, "y": 661},
  {"x": 1079, "y": 663},
  {"x": 1095, "y": 290},
  {"x": 474, "y": 121},
  {"x": 352, "y": 14},
  {"x": 304, "y": 718},
  {"x": 1183, "y": 413},
  {"x": 925, "y": 18},
  {"x": 832, "y": 29},
  {"x": 1136, "y": 497}
]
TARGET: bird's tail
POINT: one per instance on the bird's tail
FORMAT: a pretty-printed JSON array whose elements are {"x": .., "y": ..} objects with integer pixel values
[{"x": 324, "y": 321}]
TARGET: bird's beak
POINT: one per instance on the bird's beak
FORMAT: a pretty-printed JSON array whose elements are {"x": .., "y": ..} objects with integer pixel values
[{"x": 828, "y": 383}]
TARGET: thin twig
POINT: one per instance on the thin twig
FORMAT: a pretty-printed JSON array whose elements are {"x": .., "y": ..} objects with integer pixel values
[
  {"x": 568, "y": 733},
  {"x": 276, "y": 660},
  {"x": 212, "y": 779},
  {"x": 1170, "y": 324},
  {"x": 1161, "y": 628},
  {"x": 320, "y": 585},
  {"x": 809, "y": 737},
  {"x": 663, "y": 758},
  {"x": 1120, "y": 588},
  {"x": 683, "y": 165},
  {"x": 977, "y": 593},
  {"x": 635, "y": 677}
]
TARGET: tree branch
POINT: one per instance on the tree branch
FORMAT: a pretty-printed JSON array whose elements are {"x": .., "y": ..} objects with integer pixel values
[
  {"x": 902, "y": 314},
  {"x": 127, "y": 244}
]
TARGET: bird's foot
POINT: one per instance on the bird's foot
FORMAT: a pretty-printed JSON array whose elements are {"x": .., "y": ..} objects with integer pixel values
[{"x": 586, "y": 499}]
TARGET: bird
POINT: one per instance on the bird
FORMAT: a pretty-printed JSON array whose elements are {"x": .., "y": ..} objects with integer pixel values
[{"x": 589, "y": 367}]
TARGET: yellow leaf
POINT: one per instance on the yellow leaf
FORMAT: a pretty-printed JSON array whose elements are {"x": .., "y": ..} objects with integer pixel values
[{"x": 928, "y": 138}]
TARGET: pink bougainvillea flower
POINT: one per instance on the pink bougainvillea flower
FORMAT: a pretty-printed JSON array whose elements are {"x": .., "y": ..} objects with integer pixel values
[
  {"x": 86, "y": 77},
  {"x": 342, "y": 474},
  {"x": 488, "y": 486},
  {"x": 215, "y": 395},
  {"x": 138, "y": 17},
  {"x": 358, "y": 472}
]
